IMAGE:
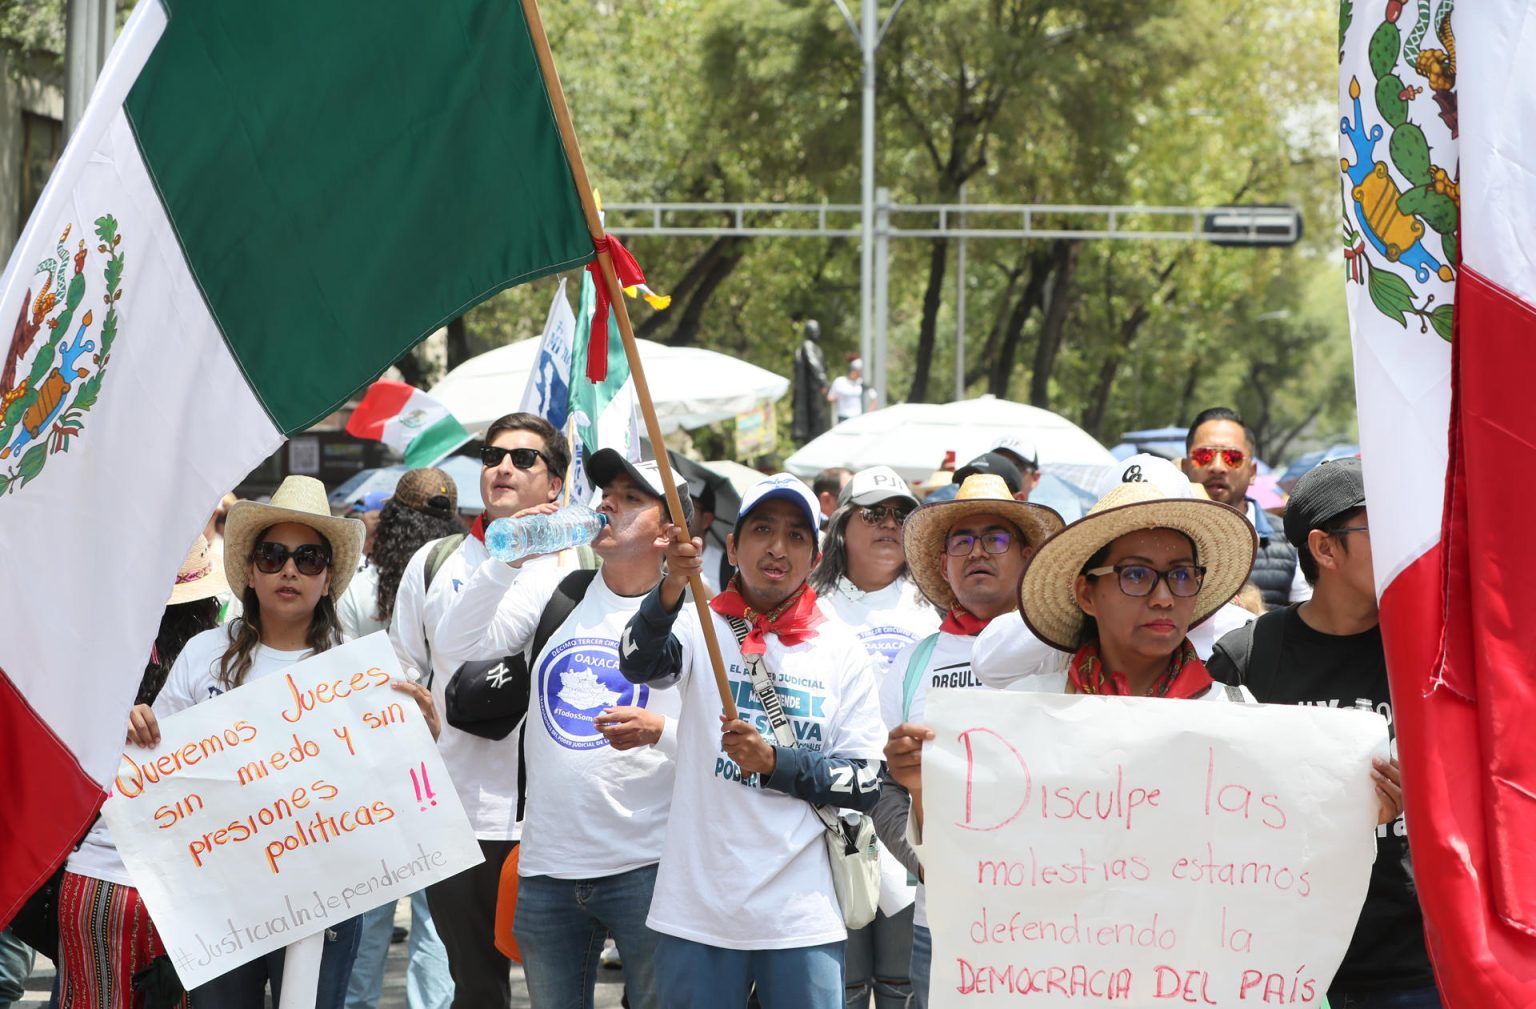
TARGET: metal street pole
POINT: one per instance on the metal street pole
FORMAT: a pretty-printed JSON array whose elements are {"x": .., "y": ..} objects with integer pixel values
[
  {"x": 869, "y": 41},
  {"x": 89, "y": 32},
  {"x": 960, "y": 306},
  {"x": 882, "y": 294}
]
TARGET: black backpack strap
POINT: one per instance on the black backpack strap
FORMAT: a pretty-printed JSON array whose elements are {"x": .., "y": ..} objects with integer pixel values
[{"x": 568, "y": 595}]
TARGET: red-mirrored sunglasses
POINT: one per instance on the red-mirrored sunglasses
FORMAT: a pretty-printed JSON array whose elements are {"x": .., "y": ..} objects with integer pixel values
[{"x": 1205, "y": 456}]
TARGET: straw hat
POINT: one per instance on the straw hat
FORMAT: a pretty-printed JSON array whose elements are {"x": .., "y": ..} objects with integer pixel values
[
  {"x": 299, "y": 499},
  {"x": 925, "y": 530},
  {"x": 201, "y": 575},
  {"x": 1224, "y": 544}
]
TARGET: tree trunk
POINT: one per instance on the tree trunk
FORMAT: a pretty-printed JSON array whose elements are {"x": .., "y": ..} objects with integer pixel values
[
  {"x": 1032, "y": 298},
  {"x": 938, "y": 259},
  {"x": 458, "y": 343},
  {"x": 651, "y": 326},
  {"x": 1093, "y": 418},
  {"x": 980, "y": 364},
  {"x": 1052, "y": 332},
  {"x": 725, "y": 261}
]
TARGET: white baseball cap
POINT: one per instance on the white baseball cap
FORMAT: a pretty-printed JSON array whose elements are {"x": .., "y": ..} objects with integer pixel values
[
  {"x": 1019, "y": 446},
  {"x": 605, "y": 464},
  {"x": 1169, "y": 480},
  {"x": 873, "y": 485}
]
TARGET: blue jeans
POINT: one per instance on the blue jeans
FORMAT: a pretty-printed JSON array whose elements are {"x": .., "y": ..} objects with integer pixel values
[
  {"x": 245, "y": 986},
  {"x": 428, "y": 985},
  {"x": 922, "y": 965},
  {"x": 692, "y": 975},
  {"x": 1413, "y": 998},
  {"x": 561, "y": 924},
  {"x": 15, "y": 967},
  {"x": 878, "y": 957}
]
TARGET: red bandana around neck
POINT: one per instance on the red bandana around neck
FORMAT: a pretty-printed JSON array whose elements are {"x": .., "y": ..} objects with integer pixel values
[
  {"x": 794, "y": 620},
  {"x": 963, "y": 623},
  {"x": 1185, "y": 676},
  {"x": 478, "y": 529}
]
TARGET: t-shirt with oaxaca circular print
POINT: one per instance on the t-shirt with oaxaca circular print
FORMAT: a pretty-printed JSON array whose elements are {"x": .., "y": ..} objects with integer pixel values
[
  {"x": 744, "y": 866},
  {"x": 592, "y": 811},
  {"x": 886, "y": 620}
]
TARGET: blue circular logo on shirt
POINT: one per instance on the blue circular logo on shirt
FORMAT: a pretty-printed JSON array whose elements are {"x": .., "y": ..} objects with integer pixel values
[
  {"x": 885, "y": 641},
  {"x": 578, "y": 679}
]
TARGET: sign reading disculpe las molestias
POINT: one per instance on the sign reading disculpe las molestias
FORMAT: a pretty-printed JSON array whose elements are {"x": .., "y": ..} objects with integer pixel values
[
  {"x": 1143, "y": 852},
  {"x": 285, "y": 807}
]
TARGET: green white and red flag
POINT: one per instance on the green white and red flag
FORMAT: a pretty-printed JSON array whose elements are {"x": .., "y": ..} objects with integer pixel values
[
  {"x": 263, "y": 206},
  {"x": 1439, "y": 197},
  {"x": 408, "y": 421}
]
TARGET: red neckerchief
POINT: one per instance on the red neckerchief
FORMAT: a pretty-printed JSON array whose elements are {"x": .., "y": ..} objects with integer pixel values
[
  {"x": 963, "y": 623},
  {"x": 478, "y": 529},
  {"x": 794, "y": 620},
  {"x": 1185, "y": 676}
]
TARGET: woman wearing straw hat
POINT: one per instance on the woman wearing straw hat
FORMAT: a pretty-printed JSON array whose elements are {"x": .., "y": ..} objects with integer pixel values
[
  {"x": 287, "y": 562},
  {"x": 1115, "y": 594},
  {"x": 105, "y": 934}
]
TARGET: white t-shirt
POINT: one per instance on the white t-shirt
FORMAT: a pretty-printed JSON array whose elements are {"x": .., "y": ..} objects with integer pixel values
[
  {"x": 193, "y": 679},
  {"x": 358, "y": 605},
  {"x": 484, "y": 771},
  {"x": 849, "y": 396},
  {"x": 886, "y": 620},
  {"x": 592, "y": 811},
  {"x": 714, "y": 553},
  {"x": 743, "y": 866}
]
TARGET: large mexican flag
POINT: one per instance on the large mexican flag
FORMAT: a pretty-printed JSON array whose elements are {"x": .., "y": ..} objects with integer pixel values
[
  {"x": 1439, "y": 196},
  {"x": 265, "y": 204}
]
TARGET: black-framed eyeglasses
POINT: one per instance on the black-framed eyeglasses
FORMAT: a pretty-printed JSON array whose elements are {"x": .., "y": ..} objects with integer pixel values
[
  {"x": 1342, "y": 530},
  {"x": 962, "y": 544},
  {"x": 1140, "y": 580},
  {"x": 523, "y": 458},
  {"x": 310, "y": 559},
  {"x": 879, "y": 513}
]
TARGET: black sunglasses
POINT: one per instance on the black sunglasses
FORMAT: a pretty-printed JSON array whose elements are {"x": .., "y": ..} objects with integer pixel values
[
  {"x": 522, "y": 458},
  {"x": 309, "y": 559}
]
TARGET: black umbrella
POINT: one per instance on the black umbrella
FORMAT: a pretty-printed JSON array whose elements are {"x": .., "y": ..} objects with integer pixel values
[{"x": 727, "y": 500}]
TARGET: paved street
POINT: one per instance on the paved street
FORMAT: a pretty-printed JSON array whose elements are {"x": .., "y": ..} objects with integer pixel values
[{"x": 610, "y": 986}]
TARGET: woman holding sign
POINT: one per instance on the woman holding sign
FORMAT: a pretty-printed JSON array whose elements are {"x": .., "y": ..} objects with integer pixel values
[
  {"x": 1113, "y": 595},
  {"x": 288, "y": 563}
]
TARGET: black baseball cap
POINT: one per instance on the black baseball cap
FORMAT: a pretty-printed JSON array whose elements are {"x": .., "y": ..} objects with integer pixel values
[
  {"x": 995, "y": 463},
  {"x": 1322, "y": 495}
]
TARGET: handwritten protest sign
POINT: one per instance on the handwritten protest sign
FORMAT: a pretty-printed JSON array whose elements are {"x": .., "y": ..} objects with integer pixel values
[
  {"x": 1145, "y": 852},
  {"x": 286, "y": 807}
]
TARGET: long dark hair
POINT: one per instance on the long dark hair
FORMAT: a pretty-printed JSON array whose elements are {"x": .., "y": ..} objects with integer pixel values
[
  {"x": 834, "y": 552},
  {"x": 245, "y": 634},
  {"x": 180, "y": 623},
  {"x": 401, "y": 532}
]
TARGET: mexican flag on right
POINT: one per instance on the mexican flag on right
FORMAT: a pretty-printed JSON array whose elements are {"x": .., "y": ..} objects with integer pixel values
[{"x": 1438, "y": 162}]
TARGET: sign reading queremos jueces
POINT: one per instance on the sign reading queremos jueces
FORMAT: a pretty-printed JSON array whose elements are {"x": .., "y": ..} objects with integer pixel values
[
  {"x": 1144, "y": 852},
  {"x": 285, "y": 807}
]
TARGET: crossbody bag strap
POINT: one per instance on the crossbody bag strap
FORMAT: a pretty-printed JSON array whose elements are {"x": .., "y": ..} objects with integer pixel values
[
  {"x": 917, "y": 664},
  {"x": 774, "y": 708}
]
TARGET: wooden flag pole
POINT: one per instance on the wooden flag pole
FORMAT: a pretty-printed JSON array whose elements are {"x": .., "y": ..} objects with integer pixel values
[{"x": 626, "y": 331}]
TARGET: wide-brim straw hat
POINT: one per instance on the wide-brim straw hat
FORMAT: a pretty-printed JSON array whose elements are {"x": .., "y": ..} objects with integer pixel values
[
  {"x": 1224, "y": 544},
  {"x": 299, "y": 499},
  {"x": 925, "y": 530},
  {"x": 201, "y": 575}
]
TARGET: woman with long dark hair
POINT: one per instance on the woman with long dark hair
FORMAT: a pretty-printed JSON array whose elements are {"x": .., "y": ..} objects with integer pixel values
[{"x": 105, "y": 934}]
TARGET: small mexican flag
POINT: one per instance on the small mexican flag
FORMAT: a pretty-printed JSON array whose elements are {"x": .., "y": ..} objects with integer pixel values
[
  {"x": 408, "y": 421},
  {"x": 264, "y": 205}
]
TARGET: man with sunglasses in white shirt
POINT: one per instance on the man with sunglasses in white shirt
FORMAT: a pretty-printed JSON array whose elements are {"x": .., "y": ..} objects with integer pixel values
[
  {"x": 1219, "y": 455},
  {"x": 524, "y": 461}
]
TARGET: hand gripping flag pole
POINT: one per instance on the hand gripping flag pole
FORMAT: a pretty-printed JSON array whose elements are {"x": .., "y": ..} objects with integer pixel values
[{"x": 614, "y": 288}]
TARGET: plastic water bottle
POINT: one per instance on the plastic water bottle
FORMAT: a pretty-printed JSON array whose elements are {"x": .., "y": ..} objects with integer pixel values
[{"x": 515, "y": 538}]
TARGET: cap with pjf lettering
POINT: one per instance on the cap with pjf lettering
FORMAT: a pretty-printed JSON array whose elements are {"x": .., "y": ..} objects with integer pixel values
[{"x": 873, "y": 485}]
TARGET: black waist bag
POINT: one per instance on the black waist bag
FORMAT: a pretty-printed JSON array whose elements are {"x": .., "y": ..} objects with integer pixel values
[{"x": 489, "y": 697}]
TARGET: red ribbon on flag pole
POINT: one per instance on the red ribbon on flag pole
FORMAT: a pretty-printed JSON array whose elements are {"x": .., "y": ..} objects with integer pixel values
[{"x": 629, "y": 274}]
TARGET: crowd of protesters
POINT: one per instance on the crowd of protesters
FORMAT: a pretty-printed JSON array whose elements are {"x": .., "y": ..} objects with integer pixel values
[{"x": 642, "y": 816}]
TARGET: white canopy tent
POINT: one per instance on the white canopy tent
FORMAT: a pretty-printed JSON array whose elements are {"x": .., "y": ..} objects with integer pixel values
[
  {"x": 691, "y": 387},
  {"x": 912, "y": 438}
]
